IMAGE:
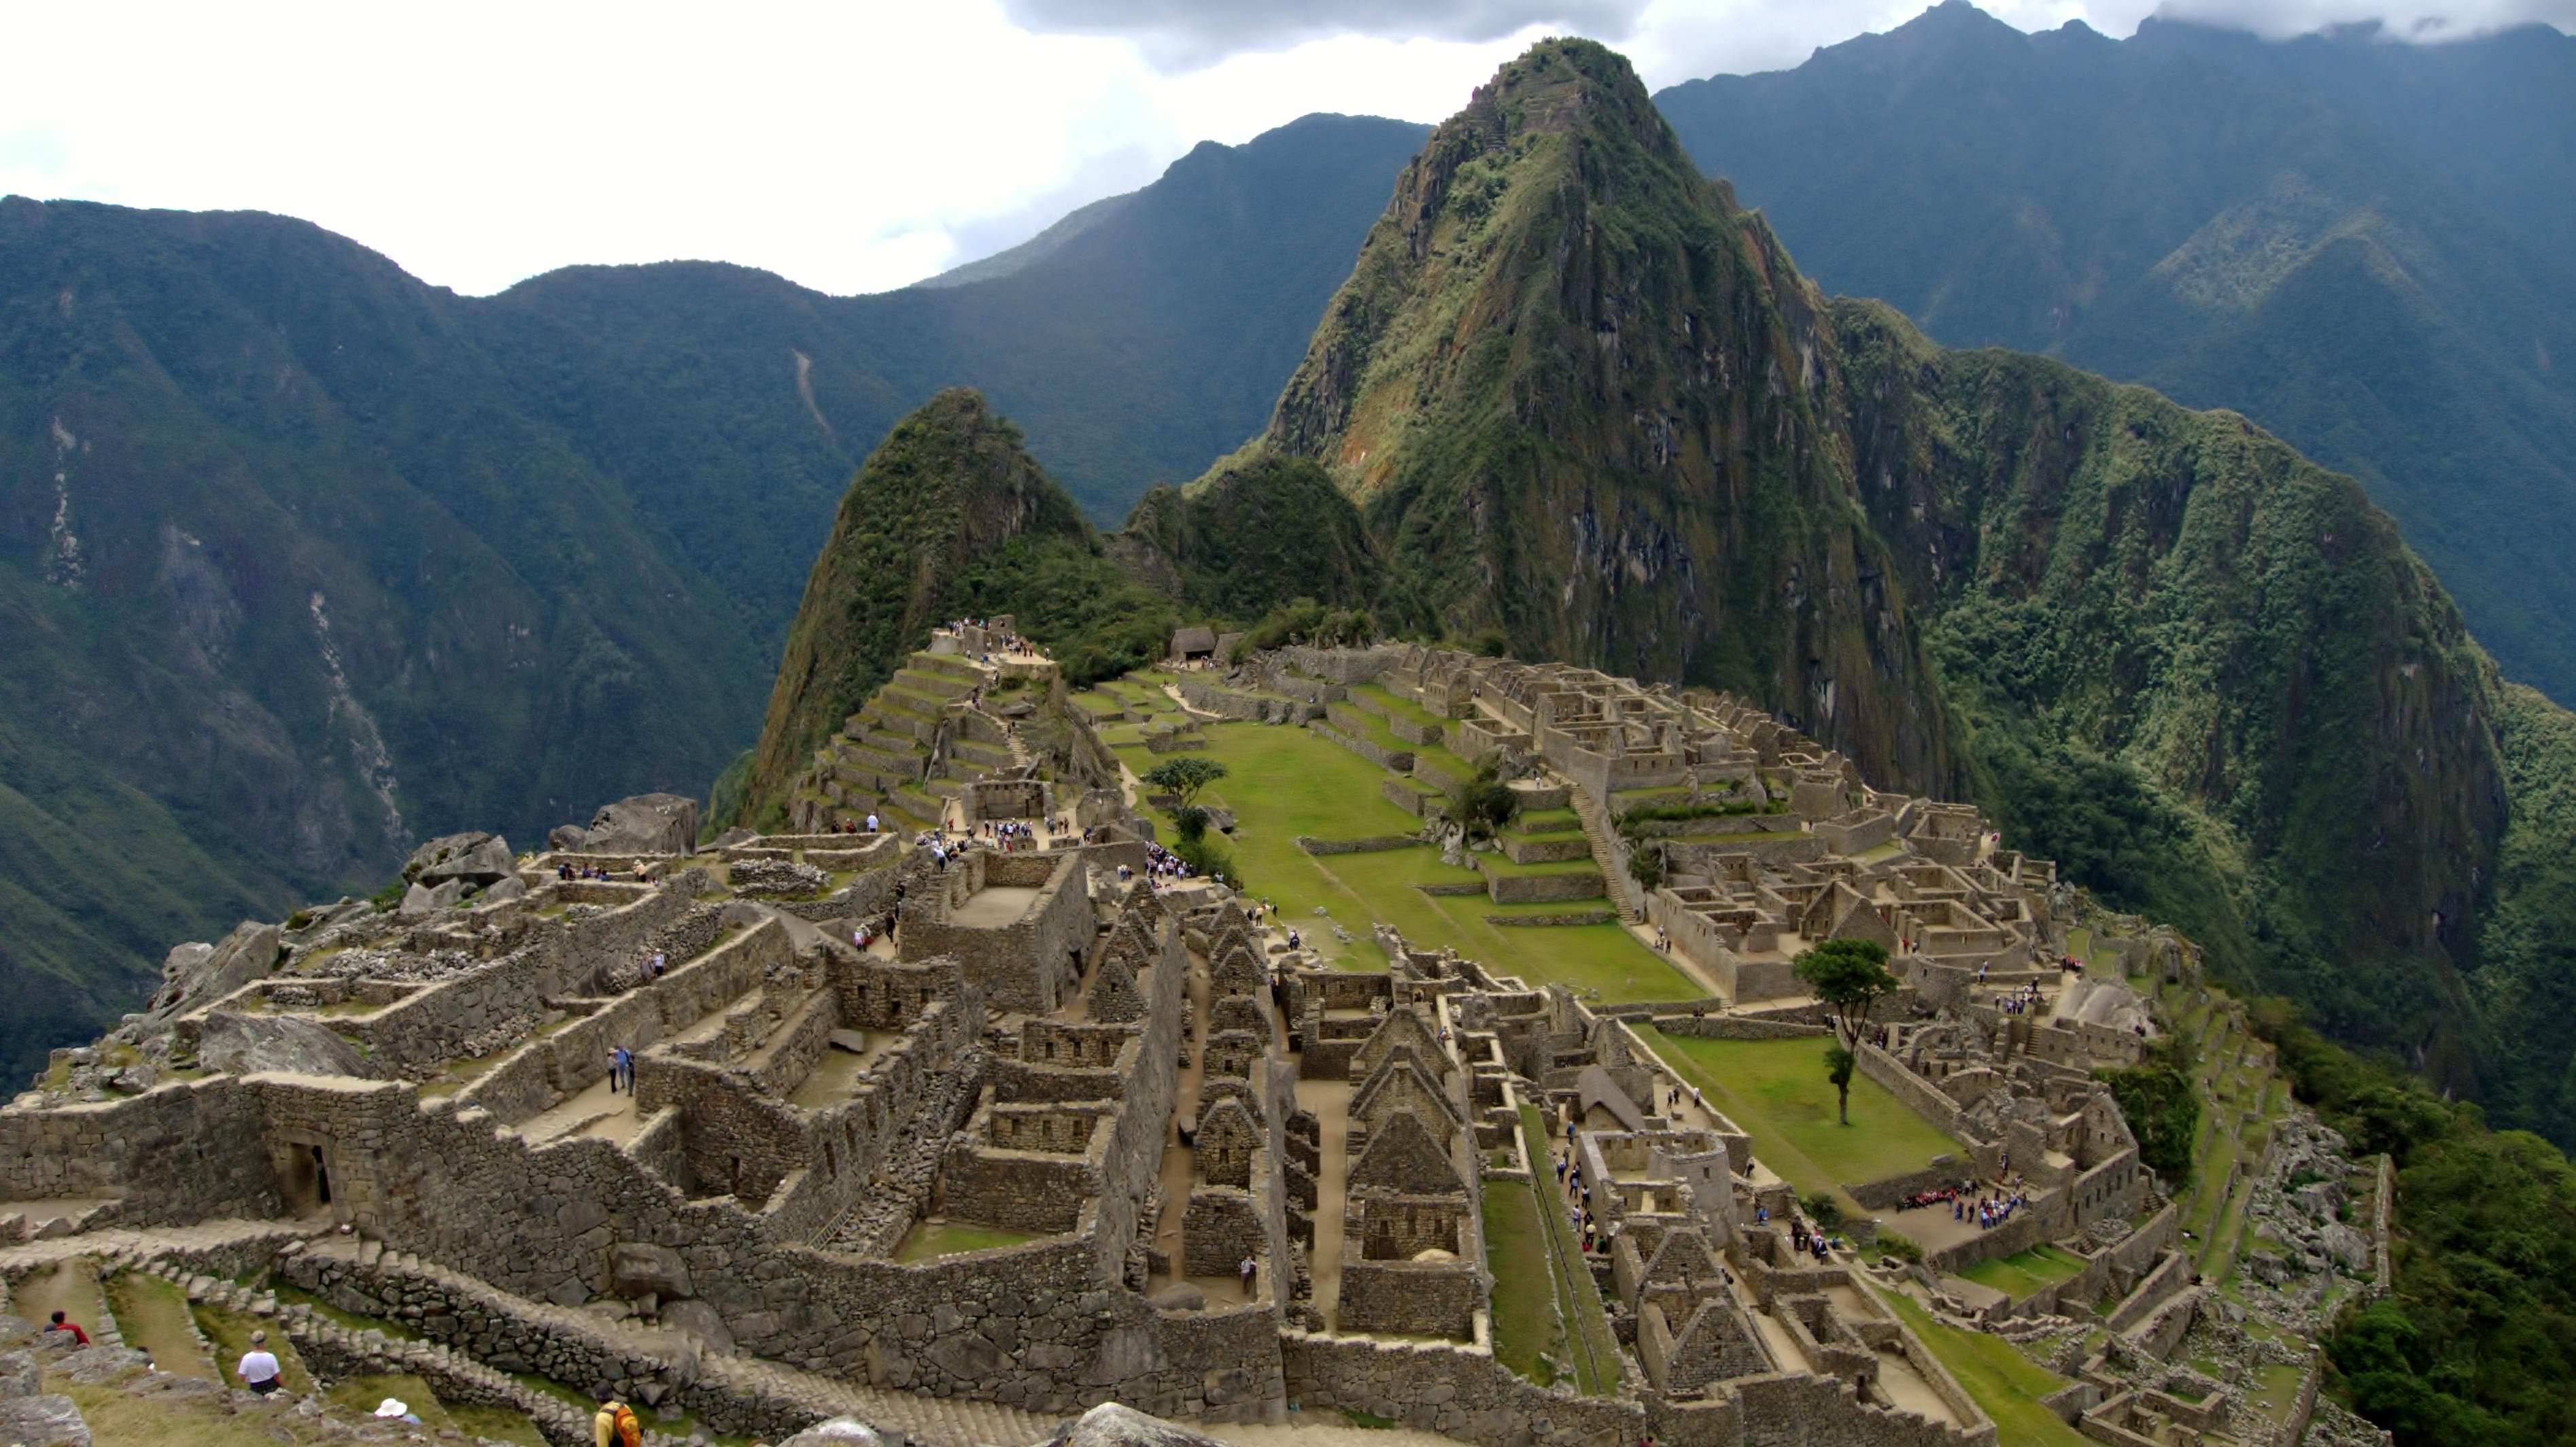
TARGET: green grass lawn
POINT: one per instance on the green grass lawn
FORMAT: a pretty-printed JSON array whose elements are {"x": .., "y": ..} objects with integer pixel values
[
  {"x": 2024, "y": 1272},
  {"x": 1286, "y": 782},
  {"x": 1776, "y": 1090},
  {"x": 1526, "y": 1323},
  {"x": 1994, "y": 1373},
  {"x": 951, "y": 1238},
  {"x": 1403, "y": 708},
  {"x": 1591, "y": 1351}
]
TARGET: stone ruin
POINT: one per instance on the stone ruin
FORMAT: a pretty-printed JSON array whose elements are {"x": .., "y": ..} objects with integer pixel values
[{"x": 1051, "y": 1137}]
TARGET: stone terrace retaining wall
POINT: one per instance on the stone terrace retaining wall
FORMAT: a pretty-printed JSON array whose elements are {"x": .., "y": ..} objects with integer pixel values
[
  {"x": 1373, "y": 844},
  {"x": 547, "y": 1070},
  {"x": 1919, "y": 1095},
  {"x": 181, "y": 1152},
  {"x": 1543, "y": 888},
  {"x": 1737, "y": 1027},
  {"x": 1399, "y": 760},
  {"x": 1457, "y": 1391}
]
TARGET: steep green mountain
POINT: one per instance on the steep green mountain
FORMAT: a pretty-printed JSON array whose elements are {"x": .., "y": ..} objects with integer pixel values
[
  {"x": 1585, "y": 399},
  {"x": 950, "y": 518},
  {"x": 301, "y": 560},
  {"x": 2356, "y": 242}
]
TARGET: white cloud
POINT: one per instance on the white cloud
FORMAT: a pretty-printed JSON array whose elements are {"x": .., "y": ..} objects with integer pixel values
[{"x": 850, "y": 147}]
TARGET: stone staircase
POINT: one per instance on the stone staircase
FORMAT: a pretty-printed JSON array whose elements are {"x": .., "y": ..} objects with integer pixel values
[{"x": 1611, "y": 854}]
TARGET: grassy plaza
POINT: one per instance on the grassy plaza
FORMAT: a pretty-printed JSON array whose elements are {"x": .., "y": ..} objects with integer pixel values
[
  {"x": 1286, "y": 782},
  {"x": 1777, "y": 1091}
]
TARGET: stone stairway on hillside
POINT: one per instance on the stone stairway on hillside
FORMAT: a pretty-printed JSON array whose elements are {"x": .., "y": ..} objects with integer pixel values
[
  {"x": 903, "y": 754},
  {"x": 1611, "y": 854}
]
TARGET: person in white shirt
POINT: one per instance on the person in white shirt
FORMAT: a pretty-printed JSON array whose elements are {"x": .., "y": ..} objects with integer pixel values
[{"x": 258, "y": 1370}]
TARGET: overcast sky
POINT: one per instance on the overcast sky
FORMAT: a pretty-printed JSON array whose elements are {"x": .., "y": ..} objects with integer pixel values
[{"x": 851, "y": 146}]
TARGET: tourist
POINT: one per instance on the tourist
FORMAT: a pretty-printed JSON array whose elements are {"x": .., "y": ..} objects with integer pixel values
[
  {"x": 80, "y": 1338},
  {"x": 615, "y": 1426},
  {"x": 872, "y": 821},
  {"x": 258, "y": 1369},
  {"x": 616, "y": 1066},
  {"x": 1244, "y": 1269}
]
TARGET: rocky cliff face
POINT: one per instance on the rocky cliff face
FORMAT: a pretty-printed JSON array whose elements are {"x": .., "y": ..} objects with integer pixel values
[{"x": 2199, "y": 668}]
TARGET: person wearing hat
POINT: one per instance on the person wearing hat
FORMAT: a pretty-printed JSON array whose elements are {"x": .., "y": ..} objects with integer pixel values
[
  {"x": 258, "y": 1369},
  {"x": 394, "y": 1409},
  {"x": 615, "y": 1426}
]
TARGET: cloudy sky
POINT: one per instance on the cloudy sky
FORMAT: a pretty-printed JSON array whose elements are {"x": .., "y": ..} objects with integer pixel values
[{"x": 852, "y": 145}]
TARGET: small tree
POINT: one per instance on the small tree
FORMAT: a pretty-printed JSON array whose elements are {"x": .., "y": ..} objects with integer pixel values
[
  {"x": 1484, "y": 804},
  {"x": 1646, "y": 864},
  {"x": 1185, "y": 777},
  {"x": 1849, "y": 976},
  {"x": 1191, "y": 821},
  {"x": 1839, "y": 1062}
]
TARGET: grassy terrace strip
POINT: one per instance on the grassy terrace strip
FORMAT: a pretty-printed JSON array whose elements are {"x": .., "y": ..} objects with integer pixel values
[
  {"x": 1403, "y": 708},
  {"x": 1776, "y": 1090},
  {"x": 1284, "y": 782},
  {"x": 1593, "y": 1354},
  {"x": 2022, "y": 1273},
  {"x": 2006, "y": 1384},
  {"x": 1528, "y": 1323}
]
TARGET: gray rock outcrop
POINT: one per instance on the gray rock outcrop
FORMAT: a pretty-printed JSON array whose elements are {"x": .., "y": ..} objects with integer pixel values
[
  {"x": 43, "y": 1422},
  {"x": 475, "y": 857},
  {"x": 199, "y": 974},
  {"x": 241, "y": 1044},
  {"x": 18, "y": 1375},
  {"x": 424, "y": 899},
  {"x": 638, "y": 1268},
  {"x": 842, "y": 1432},
  {"x": 644, "y": 824},
  {"x": 1111, "y": 1425},
  {"x": 702, "y": 1321}
]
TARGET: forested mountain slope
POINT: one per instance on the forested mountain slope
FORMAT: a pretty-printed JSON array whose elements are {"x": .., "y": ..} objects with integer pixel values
[{"x": 2358, "y": 243}]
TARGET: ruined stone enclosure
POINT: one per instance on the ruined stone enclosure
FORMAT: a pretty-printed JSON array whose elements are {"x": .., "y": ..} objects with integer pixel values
[{"x": 837, "y": 1117}]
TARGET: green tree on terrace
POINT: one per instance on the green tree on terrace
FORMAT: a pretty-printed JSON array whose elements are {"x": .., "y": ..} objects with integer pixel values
[
  {"x": 1484, "y": 803},
  {"x": 1839, "y": 1062},
  {"x": 1184, "y": 777},
  {"x": 1848, "y": 976},
  {"x": 1646, "y": 863}
]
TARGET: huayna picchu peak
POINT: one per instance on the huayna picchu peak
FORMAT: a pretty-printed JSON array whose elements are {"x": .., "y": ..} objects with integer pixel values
[{"x": 1655, "y": 857}]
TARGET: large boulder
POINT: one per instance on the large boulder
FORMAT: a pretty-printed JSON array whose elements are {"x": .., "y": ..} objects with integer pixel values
[
  {"x": 18, "y": 1375},
  {"x": 476, "y": 858},
  {"x": 1111, "y": 1425},
  {"x": 843, "y": 1432},
  {"x": 243, "y": 1044},
  {"x": 422, "y": 900},
  {"x": 43, "y": 1422},
  {"x": 637, "y": 1268},
  {"x": 644, "y": 824},
  {"x": 200, "y": 974},
  {"x": 700, "y": 1320}
]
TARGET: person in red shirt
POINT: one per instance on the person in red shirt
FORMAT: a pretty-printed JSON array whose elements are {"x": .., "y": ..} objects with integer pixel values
[{"x": 79, "y": 1337}]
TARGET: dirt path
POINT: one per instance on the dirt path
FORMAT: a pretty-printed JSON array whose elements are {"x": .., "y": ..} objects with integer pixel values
[
  {"x": 70, "y": 1287},
  {"x": 1330, "y": 1100},
  {"x": 595, "y": 1110},
  {"x": 153, "y": 1316}
]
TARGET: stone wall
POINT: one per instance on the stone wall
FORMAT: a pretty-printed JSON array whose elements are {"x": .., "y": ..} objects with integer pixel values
[
  {"x": 547, "y": 1070},
  {"x": 178, "y": 1153},
  {"x": 1219, "y": 1227},
  {"x": 1029, "y": 964},
  {"x": 1542, "y": 888},
  {"x": 1918, "y": 1095},
  {"x": 1457, "y": 1391},
  {"x": 1737, "y": 1027},
  {"x": 1398, "y": 760}
]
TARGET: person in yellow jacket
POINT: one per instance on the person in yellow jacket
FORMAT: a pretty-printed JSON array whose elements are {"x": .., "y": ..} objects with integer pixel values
[{"x": 615, "y": 1426}]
